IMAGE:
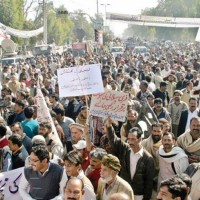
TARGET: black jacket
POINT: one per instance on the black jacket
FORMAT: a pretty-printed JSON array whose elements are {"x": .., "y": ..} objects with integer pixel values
[{"x": 142, "y": 182}]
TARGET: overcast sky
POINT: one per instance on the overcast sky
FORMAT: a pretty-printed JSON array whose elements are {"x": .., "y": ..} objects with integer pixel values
[{"x": 133, "y": 7}]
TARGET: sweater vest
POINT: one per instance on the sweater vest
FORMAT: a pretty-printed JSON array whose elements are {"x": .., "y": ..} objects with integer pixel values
[{"x": 44, "y": 187}]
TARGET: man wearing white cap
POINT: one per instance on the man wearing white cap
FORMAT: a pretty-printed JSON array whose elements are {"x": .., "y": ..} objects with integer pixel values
[{"x": 81, "y": 148}]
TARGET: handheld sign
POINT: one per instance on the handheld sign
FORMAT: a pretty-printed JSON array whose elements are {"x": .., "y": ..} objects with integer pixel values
[
  {"x": 9, "y": 184},
  {"x": 79, "y": 81},
  {"x": 111, "y": 104}
]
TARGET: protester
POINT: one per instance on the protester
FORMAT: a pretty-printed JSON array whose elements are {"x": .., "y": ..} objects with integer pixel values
[
  {"x": 36, "y": 181},
  {"x": 190, "y": 140},
  {"x": 19, "y": 153},
  {"x": 52, "y": 142},
  {"x": 110, "y": 182},
  {"x": 136, "y": 161},
  {"x": 172, "y": 159},
  {"x": 173, "y": 188},
  {"x": 74, "y": 189},
  {"x": 72, "y": 162}
]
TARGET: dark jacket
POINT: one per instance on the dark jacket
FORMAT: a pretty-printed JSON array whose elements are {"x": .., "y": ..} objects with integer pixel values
[
  {"x": 183, "y": 122},
  {"x": 163, "y": 95},
  {"x": 142, "y": 182}
]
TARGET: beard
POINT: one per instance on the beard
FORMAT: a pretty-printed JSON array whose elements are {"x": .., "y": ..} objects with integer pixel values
[
  {"x": 156, "y": 138},
  {"x": 195, "y": 132},
  {"x": 107, "y": 180}
]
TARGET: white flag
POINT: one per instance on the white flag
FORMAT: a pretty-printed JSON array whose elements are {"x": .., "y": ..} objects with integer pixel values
[{"x": 43, "y": 114}]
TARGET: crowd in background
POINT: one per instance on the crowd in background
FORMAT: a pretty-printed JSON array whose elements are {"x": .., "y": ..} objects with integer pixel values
[{"x": 97, "y": 157}]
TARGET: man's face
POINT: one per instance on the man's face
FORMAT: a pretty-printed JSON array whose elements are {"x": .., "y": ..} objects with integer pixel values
[
  {"x": 13, "y": 147},
  {"x": 18, "y": 108},
  {"x": 156, "y": 134},
  {"x": 132, "y": 116},
  {"x": 192, "y": 105},
  {"x": 164, "y": 194},
  {"x": 158, "y": 106},
  {"x": 73, "y": 191},
  {"x": 150, "y": 101},
  {"x": 195, "y": 129},
  {"x": 71, "y": 169},
  {"x": 43, "y": 131},
  {"x": 167, "y": 142},
  {"x": 84, "y": 113},
  {"x": 95, "y": 163},
  {"x": 106, "y": 174},
  {"x": 133, "y": 141},
  {"x": 36, "y": 164},
  {"x": 177, "y": 97},
  {"x": 170, "y": 78},
  {"x": 76, "y": 134},
  {"x": 16, "y": 130}
]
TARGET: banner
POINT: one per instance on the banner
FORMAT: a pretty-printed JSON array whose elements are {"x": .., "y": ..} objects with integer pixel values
[
  {"x": 20, "y": 33},
  {"x": 111, "y": 104},
  {"x": 9, "y": 184},
  {"x": 79, "y": 81},
  {"x": 43, "y": 114}
]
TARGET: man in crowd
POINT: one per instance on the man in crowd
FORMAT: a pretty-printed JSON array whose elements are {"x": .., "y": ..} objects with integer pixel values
[
  {"x": 110, "y": 182},
  {"x": 16, "y": 128},
  {"x": 18, "y": 115},
  {"x": 64, "y": 122},
  {"x": 74, "y": 189},
  {"x": 175, "y": 108},
  {"x": 172, "y": 159},
  {"x": 152, "y": 144},
  {"x": 43, "y": 179},
  {"x": 30, "y": 125},
  {"x": 135, "y": 160},
  {"x": 132, "y": 117},
  {"x": 19, "y": 153},
  {"x": 190, "y": 140},
  {"x": 53, "y": 144},
  {"x": 93, "y": 170},
  {"x": 173, "y": 188},
  {"x": 187, "y": 115},
  {"x": 160, "y": 111},
  {"x": 162, "y": 93},
  {"x": 73, "y": 168}
]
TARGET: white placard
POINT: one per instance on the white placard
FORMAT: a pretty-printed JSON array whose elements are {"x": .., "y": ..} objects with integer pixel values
[
  {"x": 111, "y": 104},
  {"x": 9, "y": 184},
  {"x": 79, "y": 81}
]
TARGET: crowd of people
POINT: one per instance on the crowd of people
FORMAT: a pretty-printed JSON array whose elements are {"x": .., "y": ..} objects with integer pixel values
[{"x": 100, "y": 158}]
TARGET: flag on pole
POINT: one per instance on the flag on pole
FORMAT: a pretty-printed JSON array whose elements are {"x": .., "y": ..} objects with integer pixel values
[{"x": 43, "y": 114}]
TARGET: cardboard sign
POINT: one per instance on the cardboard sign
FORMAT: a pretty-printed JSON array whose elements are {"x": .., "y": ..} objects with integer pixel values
[
  {"x": 9, "y": 184},
  {"x": 79, "y": 81},
  {"x": 111, "y": 104}
]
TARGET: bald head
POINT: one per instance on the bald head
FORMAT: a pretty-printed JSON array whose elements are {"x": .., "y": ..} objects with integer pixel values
[
  {"x": 119, "y": 196},
  {"x": 74, "y": 189}
]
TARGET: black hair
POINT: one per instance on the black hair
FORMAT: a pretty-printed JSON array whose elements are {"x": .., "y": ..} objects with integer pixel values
[
  {"x": 41, "y": 152},
  {"x": 59, "y": 110},
  {"x": 73, "y": 157},
  {"x": 21, "y": 103},
  {"x": 3, "y": 130},
  {"x": 176, "y": 187},
  {"x": 136, "y": 130},
  {"x": 16, "y": 139},
  {"x": 28, "y": 112}
]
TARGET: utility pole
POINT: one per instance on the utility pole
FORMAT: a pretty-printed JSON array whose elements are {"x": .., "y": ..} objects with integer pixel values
[
  {"x": 97, "y": 8},
  {"x": 45, "y": 22}
]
